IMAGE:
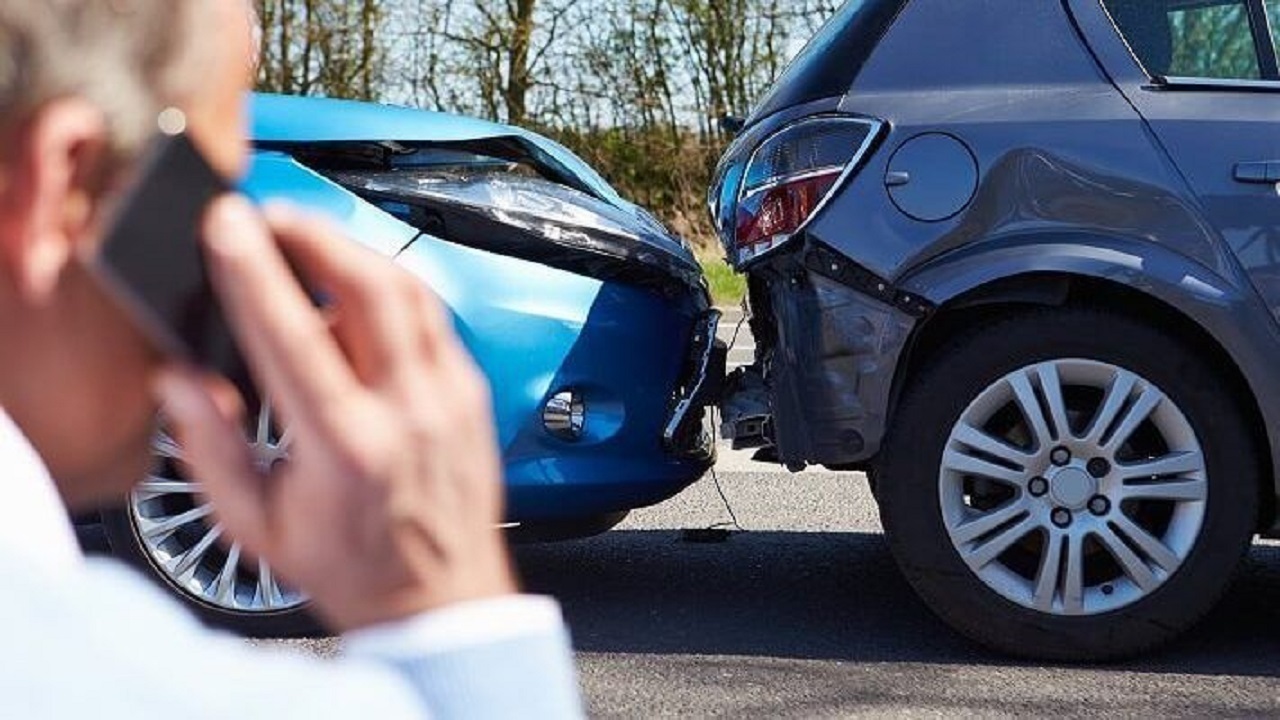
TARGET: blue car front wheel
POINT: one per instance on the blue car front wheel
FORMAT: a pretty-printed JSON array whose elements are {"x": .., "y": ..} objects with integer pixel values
[{"x": 166, "y": 529}]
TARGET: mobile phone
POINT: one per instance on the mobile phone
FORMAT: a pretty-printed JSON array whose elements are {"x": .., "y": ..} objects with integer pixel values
[{"x": 152, "y": 262}]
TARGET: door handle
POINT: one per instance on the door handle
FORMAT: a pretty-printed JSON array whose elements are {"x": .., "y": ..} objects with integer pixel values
[{"x": 1263, "y": 172}]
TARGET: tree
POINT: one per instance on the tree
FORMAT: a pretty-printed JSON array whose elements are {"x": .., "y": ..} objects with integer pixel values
[
  {"x": 324, "y": 47},
  {"x": 637, "y": 87}
]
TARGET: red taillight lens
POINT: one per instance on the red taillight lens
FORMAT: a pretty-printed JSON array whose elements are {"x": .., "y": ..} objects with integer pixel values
[
  {"x": 790, "y": 176},
  {"x": 772, "y": 215}
]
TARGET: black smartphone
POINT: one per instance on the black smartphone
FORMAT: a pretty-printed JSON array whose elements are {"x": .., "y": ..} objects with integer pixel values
[{"x": 152, "y": 262}]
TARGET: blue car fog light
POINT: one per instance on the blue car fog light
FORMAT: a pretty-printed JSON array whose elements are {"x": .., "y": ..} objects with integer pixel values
[{"x": 564, "y": 416}]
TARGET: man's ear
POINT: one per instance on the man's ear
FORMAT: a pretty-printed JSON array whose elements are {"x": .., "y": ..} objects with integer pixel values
[{"x": 48, "y": 202}]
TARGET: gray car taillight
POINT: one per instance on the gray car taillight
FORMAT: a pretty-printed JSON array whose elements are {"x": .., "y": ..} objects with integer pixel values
[{"x": 793, "y": 174}]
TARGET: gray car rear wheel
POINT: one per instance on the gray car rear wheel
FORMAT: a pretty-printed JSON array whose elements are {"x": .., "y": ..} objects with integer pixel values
[
  {"x": 1069, "y": 484},
  {"x": 1102, "y": 514}
]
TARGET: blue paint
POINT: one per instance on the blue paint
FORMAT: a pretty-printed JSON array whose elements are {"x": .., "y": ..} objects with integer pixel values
[
  {"x": 288, "y": 119},
  {"x": 534, "y": 330}
]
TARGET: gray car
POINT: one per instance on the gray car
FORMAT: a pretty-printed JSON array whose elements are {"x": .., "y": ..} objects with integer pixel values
[{"x": 1019, "y": 260}]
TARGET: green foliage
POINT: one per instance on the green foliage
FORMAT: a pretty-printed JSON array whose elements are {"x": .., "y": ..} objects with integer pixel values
[
  {"x": 1215, "y": 41},
  {"x": 666, "y": 173},
  {"x": 728, "y": 288},
  {"x": 636, "y": 87}
]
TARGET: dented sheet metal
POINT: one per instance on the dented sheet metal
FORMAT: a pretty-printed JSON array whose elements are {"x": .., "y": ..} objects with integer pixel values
[
  {"x": 481, "y": 184},
  {"x": 535, "y": 219},
  {"x": 831, "y": 351},
  {"x": 285, "y": 122}
]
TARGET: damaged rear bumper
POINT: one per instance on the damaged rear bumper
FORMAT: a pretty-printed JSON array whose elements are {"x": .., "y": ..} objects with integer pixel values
[{"x": 829, "y": 338}]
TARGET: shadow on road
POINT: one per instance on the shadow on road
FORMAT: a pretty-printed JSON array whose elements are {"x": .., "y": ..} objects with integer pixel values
[{"x": 827, "y": 596}]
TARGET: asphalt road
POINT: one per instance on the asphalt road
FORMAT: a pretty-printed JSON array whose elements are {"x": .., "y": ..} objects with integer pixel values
[{"x": 804, "y": 615}]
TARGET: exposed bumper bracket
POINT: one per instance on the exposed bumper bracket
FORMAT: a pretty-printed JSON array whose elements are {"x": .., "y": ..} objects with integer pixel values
[
  {"x": 831, "y": 264},
  {"x": 708, "y": 356},
  {"x": 747, "y": 417},
  {"x": 833, "y": 336}
]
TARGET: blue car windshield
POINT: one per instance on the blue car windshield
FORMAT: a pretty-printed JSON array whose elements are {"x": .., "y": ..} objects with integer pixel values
[{"x": 828, "y": 64}]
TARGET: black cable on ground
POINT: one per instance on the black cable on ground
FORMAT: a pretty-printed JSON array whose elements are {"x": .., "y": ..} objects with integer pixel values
[
  {"x": 733, "y": 517},
  {"x": 721, "y": 531}
]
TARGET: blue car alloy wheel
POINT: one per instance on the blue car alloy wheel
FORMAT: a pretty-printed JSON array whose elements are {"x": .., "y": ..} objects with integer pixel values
[{"x": 591, "y": 320}]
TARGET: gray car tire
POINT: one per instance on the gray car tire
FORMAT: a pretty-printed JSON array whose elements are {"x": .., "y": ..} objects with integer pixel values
[{"x": 912, "y": 476}]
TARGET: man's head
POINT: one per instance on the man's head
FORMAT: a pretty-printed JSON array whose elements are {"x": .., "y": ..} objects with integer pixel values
[{"x": 81, "y": 85}]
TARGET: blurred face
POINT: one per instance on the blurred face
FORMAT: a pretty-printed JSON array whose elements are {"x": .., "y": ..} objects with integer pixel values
[{"x": 74, "y": 373}]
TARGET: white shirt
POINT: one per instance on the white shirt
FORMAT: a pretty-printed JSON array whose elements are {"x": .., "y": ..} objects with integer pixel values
[
  {"x": 90, "y": 638},
  {"x": 32, "y": 518}
]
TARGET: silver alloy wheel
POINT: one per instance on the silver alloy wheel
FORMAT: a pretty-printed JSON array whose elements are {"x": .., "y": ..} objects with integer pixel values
[
  {"x": 1073, "y": 487},
  {"x": 172, "y": 520}
]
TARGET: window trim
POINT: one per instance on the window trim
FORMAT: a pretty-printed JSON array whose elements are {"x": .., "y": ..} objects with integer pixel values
[
  {"x": 1171, "y": 82},
  {"x": 1264, "y": 39}
]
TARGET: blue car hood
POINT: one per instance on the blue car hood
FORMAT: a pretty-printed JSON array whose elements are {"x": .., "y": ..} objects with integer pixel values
[
  {"x": 293, "y": 124},
  {"x": 286, "y": 119}
]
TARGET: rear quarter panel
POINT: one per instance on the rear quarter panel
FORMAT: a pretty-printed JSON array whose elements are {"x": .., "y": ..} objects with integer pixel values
[{"x": 1057, "y": 146}]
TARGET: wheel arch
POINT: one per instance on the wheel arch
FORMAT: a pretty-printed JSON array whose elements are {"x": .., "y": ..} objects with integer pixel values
[{"x": 1224, "y": 319}]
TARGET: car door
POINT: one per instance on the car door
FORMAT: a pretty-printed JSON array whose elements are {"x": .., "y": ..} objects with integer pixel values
[{"x": 1211, "y": 95}]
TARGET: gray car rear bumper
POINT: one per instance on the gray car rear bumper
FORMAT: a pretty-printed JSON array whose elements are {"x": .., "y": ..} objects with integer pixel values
[{"x": 830, "y": 337}]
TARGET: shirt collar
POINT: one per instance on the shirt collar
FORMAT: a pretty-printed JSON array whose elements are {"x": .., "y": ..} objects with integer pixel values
[{"x": 33, "y": 521}]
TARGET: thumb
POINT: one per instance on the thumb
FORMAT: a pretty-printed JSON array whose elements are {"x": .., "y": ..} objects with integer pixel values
[{"x": 214, "y": 448}]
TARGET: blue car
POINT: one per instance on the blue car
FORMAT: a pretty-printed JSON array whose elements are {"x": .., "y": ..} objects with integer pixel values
[{"x": 591, "y": 320}]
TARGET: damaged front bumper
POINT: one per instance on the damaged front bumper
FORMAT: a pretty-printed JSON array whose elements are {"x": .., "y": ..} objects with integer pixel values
[
  {"x": 541, "y": 221},
  {"x": 557, "y": 288},
  {"x": 701, "y": 384},
  {"x": 829, "y": 337},
  {"x": 552, "y": 292}
]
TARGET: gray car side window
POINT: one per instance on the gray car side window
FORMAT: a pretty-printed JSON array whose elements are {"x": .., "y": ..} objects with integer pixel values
[
  {"x": 1191, "y": 38},
  {"x": 1273, "y": 19}
]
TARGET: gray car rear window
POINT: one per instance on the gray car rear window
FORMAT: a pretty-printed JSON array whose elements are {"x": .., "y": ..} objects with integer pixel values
[{"x": 829, "y": 63}]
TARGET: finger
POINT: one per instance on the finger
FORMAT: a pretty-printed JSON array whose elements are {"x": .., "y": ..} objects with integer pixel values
[
  {"x": 439, "y": 338},
  {"x": 438, "y": 333},
  {"x": 454, "y": 372},
  {"x": 457, "y": 378},
  {"x": 206, "y": 424},
  {"x": 285, "y": 338},
  {"x": 226, "y": 398},
  {"x": 376, "y": 303}
]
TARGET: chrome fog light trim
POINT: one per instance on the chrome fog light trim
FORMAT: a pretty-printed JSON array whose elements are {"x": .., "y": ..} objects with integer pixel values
[{"x": 565, "y": 415}]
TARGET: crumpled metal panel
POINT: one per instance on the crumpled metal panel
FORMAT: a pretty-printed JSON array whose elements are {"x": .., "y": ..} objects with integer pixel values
[
  {"x": 288, "y": 120},
  {"x": 533, "y": 219},
  {"x": 832, "y": 366}
]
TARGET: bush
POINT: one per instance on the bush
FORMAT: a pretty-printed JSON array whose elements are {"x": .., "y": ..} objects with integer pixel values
[{"x": 665, "y": 172}]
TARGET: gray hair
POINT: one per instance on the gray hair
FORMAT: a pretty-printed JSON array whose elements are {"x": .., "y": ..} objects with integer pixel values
[{"x": 130, "y": 58}]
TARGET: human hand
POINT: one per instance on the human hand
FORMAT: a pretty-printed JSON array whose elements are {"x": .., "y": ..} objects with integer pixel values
[{"x": 390, "y": 501}]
